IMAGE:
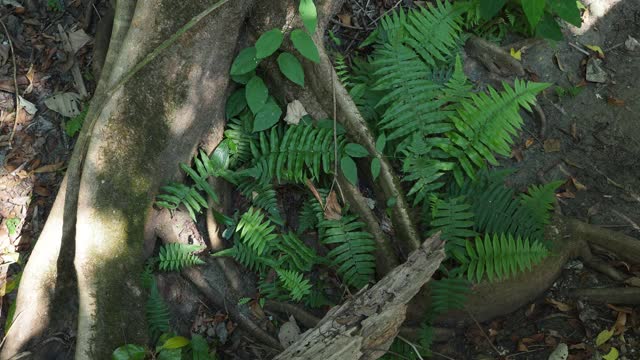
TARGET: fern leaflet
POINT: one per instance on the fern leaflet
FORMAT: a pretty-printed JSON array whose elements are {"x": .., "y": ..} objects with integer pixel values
[
  {"x": 256, "y": 231},
  {"x": 501, "y": 256},
  {"x": 295, "y": 283},
  {"x": 353, "y": 252},
  {"x": 454, "y": 219},
  {"x": 157, "y": 313},
  {"x": 176, "y": 256}
]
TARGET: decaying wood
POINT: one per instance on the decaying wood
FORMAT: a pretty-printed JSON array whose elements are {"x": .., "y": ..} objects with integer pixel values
[{"x": 364, "y": 327}]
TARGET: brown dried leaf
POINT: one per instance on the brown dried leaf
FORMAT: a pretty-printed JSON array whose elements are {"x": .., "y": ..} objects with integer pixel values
[
  {"x": 332, "y": 210},
  {"x": 633, "y": 281},
  {"x": 41, "y": 190},
  {"x": 314, "y": 191},
  {"x": 345, "y": 19},
  {"x": 528, "y": 143},
  {"x": 579, "y": 186},
  {"x": 566, "y": 195},
  {"x": 620, "y": 326},
  {"x": 49, "y": 168},
  {"x": 551, "y": 145},
  {"x": 615, "y": 101},
  {"x": 517, "y": 154},
  {"x": 559, "y": 305}
]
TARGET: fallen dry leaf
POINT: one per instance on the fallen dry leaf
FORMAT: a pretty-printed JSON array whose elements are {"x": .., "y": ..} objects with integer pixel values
[
  {"x": 332, "y": 210},
  {"x": 615, "y": 101},
  {"x": 49, "y": 168},
  {"x": 517, "y": 154},
  {"x": 345, "y": 19},
  {"x": 528, "y": 143},
  {"x": 559, "y": 305},
  {"x": 566, "y": 195},
  {"x": 573, "y": 129},
  {"x": 578, "y": 346},
  {"x": 556, "y": 59},
  {"x": 623, "y": 309},
  {"x": 620, "y": 325},
  {"x": 579, "y": 186},
  {"x": 41, "y": 190},
  {"x": 551, "y": 145},
  {"x": 295, "y": 112},
  {"x": 633, "y": 281},
  {"x": 314, "y": 191},
  {"x": 67, "y": 104},
  {"x": 30, "y": 76}
]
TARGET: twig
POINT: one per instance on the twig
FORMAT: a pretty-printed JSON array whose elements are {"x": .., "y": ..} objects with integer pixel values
[
  {"x": 15, "y": 82},
  {"x": 346, "y": 26},
  {"x": 385, "y": 13},
  {"x": 484, "y": 333},
  {"x": 413, "y": 346},
  {"x": 626, "y": 218},
  {"x": 579, "y": 49}
]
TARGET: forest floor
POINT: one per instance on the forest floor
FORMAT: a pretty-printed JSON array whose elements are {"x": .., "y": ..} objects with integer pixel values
[{"x": 591, "y": 141}]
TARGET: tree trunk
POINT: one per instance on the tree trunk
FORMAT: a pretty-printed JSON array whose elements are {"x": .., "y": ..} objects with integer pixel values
[{"x": 147, "y": 116}]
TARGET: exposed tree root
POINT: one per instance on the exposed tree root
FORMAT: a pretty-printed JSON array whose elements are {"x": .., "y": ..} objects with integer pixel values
[
  {"x": 210, "y": 279},
  {"x": 624, "y": 296},
  {"x": 569, "y": 238}
]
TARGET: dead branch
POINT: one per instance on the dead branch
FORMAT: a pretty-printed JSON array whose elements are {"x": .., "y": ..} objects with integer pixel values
[{"x": 364, "y": 326}]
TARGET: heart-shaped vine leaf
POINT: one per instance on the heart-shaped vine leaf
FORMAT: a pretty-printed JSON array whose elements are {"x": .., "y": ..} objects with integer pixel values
[
  {"x": 305, "y": 45},
  {"x": 268, "y": 43},
  {"x": 291, "y": 68}
]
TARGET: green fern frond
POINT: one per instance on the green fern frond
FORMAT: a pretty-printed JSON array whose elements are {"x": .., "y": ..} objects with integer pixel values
[
  {"x": 424, "y": 171},
  {"x": 501, "y": 256},
  {"x": 176, "y": 256},
  {"x": 310, "y": 215},
  {"x": 485, "y": 124},
  {"x": 453, "y": 218},
  {"x": 295, "y": 283},
  {"x": 433, "y": 32},
  {"x": 204, "y": 169},
  {"x": 342, "y": 70},
  {"x": 240, "y": 134},
  {"x": 176, "y": 194},
  {"x": 448, "y": 294},
  {"x": 303, "y": 151},
  {"x": 157, "y": 313},
  {"x": 538, "y": 202},
  {"x": 317, "y": 298},
  {"x": 297, "y": 255},
  {"x": 273, "y": 290},
  {"x": 248, "y": 257},
  {"x": 261, "y": 195},
  {"x": 499, "y": 211},
  {"x": 146, "y": 278},
  {"x": 353, "y": 252},
  {"x": 256, "y": 231}
]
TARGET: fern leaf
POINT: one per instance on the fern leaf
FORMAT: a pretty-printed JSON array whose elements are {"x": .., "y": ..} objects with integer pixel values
[
  {"x": 240, "y": 135},
  {"x": 157, "y": 313},
  {"x": 256, "y": 231},
  {"x": 303, "y": 151},
  {"x": 448, "y": 294},
  {"x": 454, "y": 219},
  {"x": 484, "y": 125},
  {"x": 176, "y": 256},
  {"x": 176, "y": 194},
  {"x": 297, "y": 255},
  {"x": 502, "y": 256},
  {"x": 248, "y": 257},
  {"x": 353, "y": 252},
  {"x": 261, "y": 195},
  {"x": 295, "y": 283},
  {"x": 498, "y": 210},
  {"x": 537, "y": 204},
  {"x": 146, "y": 278}
]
